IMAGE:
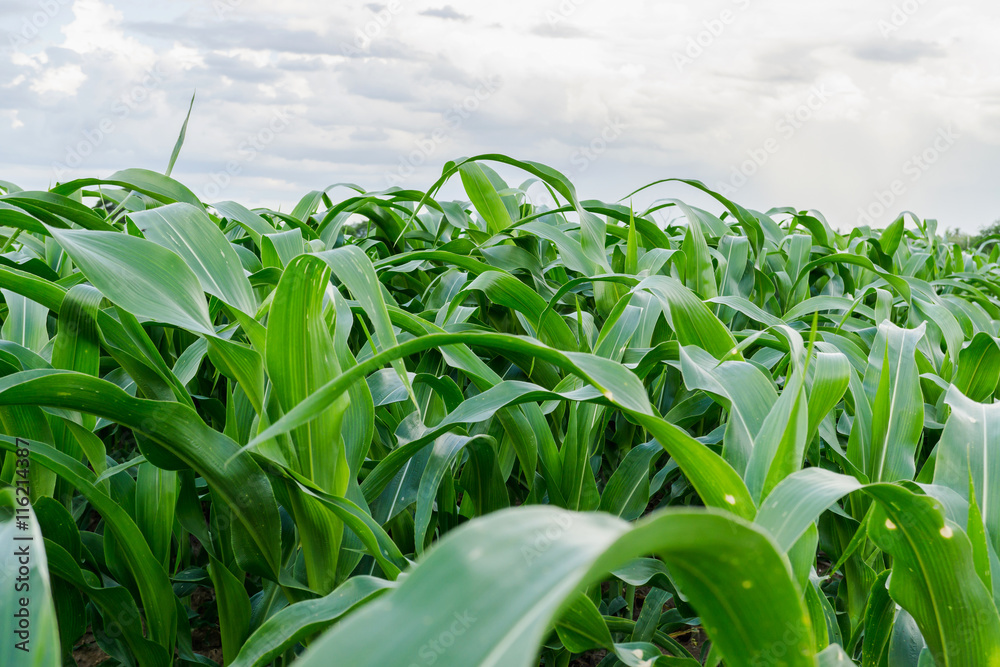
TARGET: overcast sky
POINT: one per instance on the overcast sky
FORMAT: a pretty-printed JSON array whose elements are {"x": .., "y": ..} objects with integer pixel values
[{"x": 859, "y": 108}]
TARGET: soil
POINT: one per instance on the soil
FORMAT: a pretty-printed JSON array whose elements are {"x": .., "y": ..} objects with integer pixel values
[
  {"x": 87, "y": 653},
  {"x": 693, "y": 639},
  {"x": 205, "y": 640}
]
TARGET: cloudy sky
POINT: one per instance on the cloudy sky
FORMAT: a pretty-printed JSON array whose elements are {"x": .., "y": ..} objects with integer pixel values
[{"x": 859, "y": 108}]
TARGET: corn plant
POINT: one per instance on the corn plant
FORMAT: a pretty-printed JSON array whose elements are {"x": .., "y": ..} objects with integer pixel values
[{"x": 519, "y": 429}]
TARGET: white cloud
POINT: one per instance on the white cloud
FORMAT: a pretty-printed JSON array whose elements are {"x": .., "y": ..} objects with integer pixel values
[
  {"x": 96, "y": 30},
  {"x": 569, "y": 67},
  {"x": 65, "y": 80},
  {"x": 34, "y": 61},
  {"x": 185, "y": 58},
  {"x": 251, "y": 56},
  {"x": 15, "y": 122}
]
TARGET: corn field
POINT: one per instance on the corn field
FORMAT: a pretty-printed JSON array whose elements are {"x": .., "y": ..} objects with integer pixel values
[{"x": 387, "y": 429}]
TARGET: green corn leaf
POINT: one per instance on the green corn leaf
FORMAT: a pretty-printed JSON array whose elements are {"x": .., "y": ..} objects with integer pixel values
[
  {"x": 718, "y": 484},
  {"x": 298, "y": 621},
  {"x": 26, "y": 603},
  {"x": 176, "y": 431},
  {"x": 740, "y": 387},
  {"x": 691, "y": 319},
  {"x": 934, "y": 578},
  {"x": 482, "y": 192},
  {"x": 978, "y": 370},
  {"x": 159, "y": 187},
  {"x": 892, "y": 386},
  {"x": 967, "y": 452},
  {"x": 150, "y": 577},
  {"x": 25, "y": 323},
  {"x": 118, "y": 609},
  {"x": 180, "y": 138},
  {"x": 55, "y": 210},
  {"x": 142, "y": 277},
  {"x": 190, "y": 233},
  {"x": 545, "y": 556},
  {"x": 234, "y": 608}
]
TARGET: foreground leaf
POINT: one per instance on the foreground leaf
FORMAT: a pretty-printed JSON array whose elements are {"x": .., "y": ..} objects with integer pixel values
[{"x": 537, "y": 558}]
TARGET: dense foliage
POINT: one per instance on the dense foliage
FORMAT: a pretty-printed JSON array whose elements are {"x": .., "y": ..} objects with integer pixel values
[{"x": 387, "y": 429}]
